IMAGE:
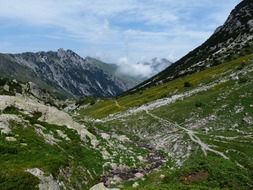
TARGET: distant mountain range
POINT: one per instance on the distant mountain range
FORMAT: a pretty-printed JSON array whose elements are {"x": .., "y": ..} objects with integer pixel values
[{"x": 67, "y": 74}]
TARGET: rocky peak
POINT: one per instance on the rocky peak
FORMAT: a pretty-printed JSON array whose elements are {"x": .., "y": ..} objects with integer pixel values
[
  {"x": 241, "y": 18},
  {"x": 68, "y": 54}
]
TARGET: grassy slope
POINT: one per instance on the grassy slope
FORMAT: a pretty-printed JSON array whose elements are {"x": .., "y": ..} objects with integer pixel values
[
  {"x": 71, "y": 155},
  {"x": 106, "y": 107},
  {"x": 229, "y": 132},
  {"x": 221, "y": 101}
]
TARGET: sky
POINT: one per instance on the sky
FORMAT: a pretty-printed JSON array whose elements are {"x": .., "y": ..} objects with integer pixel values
[{"x": 116, "y": 31}]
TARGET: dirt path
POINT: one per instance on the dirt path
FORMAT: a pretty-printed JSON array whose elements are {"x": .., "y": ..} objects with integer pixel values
[
  {"x": 117, "y": 104},
  {"x": 160, "y": 102}
]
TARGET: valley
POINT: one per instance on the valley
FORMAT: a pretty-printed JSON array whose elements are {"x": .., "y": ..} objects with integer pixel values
[{"x": 73, "y": 123}]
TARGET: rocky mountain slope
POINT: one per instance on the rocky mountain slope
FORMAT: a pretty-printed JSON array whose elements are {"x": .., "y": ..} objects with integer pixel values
[
  {"x": 202, "y": 131},
  {"x": 64, "y": 72},
  {"x": 232, "y": 40},
  {"x": 153, "y": 143}
]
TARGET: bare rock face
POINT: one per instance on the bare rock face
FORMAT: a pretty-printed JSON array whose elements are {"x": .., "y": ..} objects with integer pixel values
[
  {"x": 49, "y": 114},
  {"x": 4, "y": 122},
  {"x": 46, "y": 182},
  {"x": 101, "y": 186},
  {"x": 67, "y": 72}
]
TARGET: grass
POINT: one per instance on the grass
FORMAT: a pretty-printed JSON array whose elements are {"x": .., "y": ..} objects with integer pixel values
[
  {"x": 222, "y": 174},
  {"x": 105, "y": 107},
  {"x": 210, "y": 172},
  {"x": 72, "y": 155},
  {"x": 222, "y": 101}
]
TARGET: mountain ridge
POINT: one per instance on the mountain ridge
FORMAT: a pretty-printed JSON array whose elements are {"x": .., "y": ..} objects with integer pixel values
[
  {"x": 234, "y": 37},
  {"x": 67, "y": 71}
]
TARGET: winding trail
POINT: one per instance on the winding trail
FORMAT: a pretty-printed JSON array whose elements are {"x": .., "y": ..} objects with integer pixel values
[
  {"x": 160, "y": 102},
  {"x": 117, "y": 104},
  {"x": 204, "y": 147}
]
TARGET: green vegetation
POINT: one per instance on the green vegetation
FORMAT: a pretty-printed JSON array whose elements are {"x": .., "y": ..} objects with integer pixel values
[
  {"x": 32, "y": 151},
  {"x": 104, "y": 108},
  {"x": 198, "y": 173},
  {"x": 221, "y": 117},
  {"x": 205, "y": 139}
]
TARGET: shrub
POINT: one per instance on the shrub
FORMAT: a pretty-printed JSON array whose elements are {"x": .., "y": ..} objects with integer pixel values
[
  {"x": 86, "y": 100},
  {"x": 11, "y": 110},
  {"x": 243, "y": 80},
  {"x": 242, "y": 65},
  {"x": 18, "y": 180},
  {"x": 187, "y": 84},
  {"x": 199, "y": 104}
]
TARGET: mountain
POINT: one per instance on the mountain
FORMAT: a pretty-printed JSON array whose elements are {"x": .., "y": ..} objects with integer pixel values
[
  {"x": 64, "y": 72},
  {"x": 153, "y": 66},
  {"x": 156, "y": 65},
  {"x": 113, "y": 69},
  {"x": 232, "y": 40},
  {"x": 192, "y": 132}
]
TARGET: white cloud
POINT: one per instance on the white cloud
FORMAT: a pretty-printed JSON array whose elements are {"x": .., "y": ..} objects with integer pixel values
[
  {"x": 134, "y": 29},
  {"x": 134, "y": 70}
]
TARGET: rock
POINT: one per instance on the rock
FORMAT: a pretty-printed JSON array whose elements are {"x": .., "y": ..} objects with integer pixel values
[
  {"x": 40, "y": 126},
  {"x": 46, "y": 182},
  {"x": 50, "y": 139},
  {"x": 122, "y": 138},
  {"x": 6, "y": 88},
  {"x": 4, "y": 128},
  {"x": 136, "y": 184},
  {"x": 105, "y": 154},
  {"x": 248, "y": 120},
  {"x": 105, "y": 136},
  {"x": 49, "y": 114},
  {"x": 10, "y": 139},
  {"x": 140, "y": 158},
  {"x": 4, "y": 122},
  {"x": 162, "y": 176},
  {"x": 139, "y": 175},
  {"x": 101, "y": 186},
  {"x": 63, "y": 135}
]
